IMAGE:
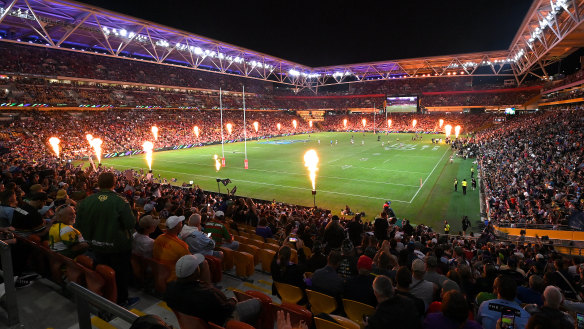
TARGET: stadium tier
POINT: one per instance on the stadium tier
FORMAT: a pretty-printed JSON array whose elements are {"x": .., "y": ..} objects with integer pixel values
[{"x": 164, "y": 187}]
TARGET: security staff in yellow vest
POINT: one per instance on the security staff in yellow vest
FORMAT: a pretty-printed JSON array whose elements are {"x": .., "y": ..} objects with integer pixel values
[{"x": 464, "y": 183}]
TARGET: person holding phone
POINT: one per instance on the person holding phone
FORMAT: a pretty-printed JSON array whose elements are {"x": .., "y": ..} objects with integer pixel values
[
  {"x": 492, "y": 311},
  {"x": 198, "y": 241}
]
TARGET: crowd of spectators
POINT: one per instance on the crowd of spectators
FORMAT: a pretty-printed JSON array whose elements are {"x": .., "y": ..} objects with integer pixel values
[{"x": 532, "y": 169}]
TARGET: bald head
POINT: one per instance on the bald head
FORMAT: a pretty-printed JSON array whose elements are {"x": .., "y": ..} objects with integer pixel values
[{"x": 195, "y": 220}]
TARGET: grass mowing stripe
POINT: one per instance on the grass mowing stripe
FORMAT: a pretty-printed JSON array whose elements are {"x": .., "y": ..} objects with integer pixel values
[
  {"x": 276, "y": 185},
  {"x": 290, "y": 173},
  {"x": 424, "y": 181}
]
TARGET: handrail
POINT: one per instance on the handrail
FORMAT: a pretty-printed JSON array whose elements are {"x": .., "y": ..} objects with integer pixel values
[
  {"x": 84, "y": 298},
  {"x": 10, "y": 289}
]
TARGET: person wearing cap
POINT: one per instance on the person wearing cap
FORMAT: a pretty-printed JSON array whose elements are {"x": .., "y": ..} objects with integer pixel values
[
  {"x": 63, "y": 237},
  {"x": 63, "y": 198},
  {"x": 219, "y": 232},
  {"x": 421, "y": 288},
  {"x": 168, "y": 248},
  {"x": 106, "y": 221},
  {"x": 197, "y": 241},
  {"x": 393, "y": 310},
  {"x": 360, "y": 287},
  {"x": 143, "y": 244},
  {"x": 192, "y": 296},
  {"x": 27, "y": 218}
]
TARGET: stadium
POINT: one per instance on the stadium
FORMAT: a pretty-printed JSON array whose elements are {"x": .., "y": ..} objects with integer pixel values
[{"x": 156, "y": 177}]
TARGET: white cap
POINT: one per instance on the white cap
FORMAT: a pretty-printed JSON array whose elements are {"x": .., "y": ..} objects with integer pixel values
[
  {"x": 219, "y": 213},
  {"x": 187, "y": 265},
  {"x": 148, "y": 207},
  {"x": 539, "y": 256},
  {"x": 173, "y": 220}
]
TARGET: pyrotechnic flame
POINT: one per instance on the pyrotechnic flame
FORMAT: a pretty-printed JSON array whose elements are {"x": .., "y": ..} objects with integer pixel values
[
  {"x": 441, "y": 122},
  {"x": 54, "y": 141},
  {"x": 148, "y": 147},
  {"x": 414, "y": 123},
  {"x": 456, "y": 131},
  {"x": 345, "y": 123},
  {"x": 229, "y": 127},
  {"x": 217, "y": 162},
  {"x": 256, "y": 126},
  {"x": 448, "y": 130},
  {"x": 310, "y": 123},
  {"x": 311, "y": 162},
  {"x": 279, "y": 126},
  {"x": 364, "y": 122},
  {"x": 294, "y": 123},
  {"x": 155, "y": 132},
  {"x": 389, "y": 123},
  {"x": 196, "y": 129},
  {"x": 89, "y": 138},
  {"x": 96, "y": 144}
]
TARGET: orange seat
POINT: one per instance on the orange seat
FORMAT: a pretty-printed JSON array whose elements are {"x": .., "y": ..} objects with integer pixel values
[
  {"x": 215, "y": 267},
  {"x": 93, "y": 280},
  {"x": 265, "y": 320},
  {"x": 252, "y": 250},
  {"x": 244, "y": 234},
  {"x": 56, "y": 264},
  {"x": 271, "y": 246},
  {"x": 289, "y": 293},
  {"x": 320, "y": 303},
  {"x": 272, "y": 241},
  {"x": 241, "y": 296},
  {"x": 73, "y": 271},
  {"x": 110, "y": 291},
  {"x": 257, "y": 243},
  {"x": 307, "y": 251},
  {"x": 344, "y": 322},
  {"x": 227, "y": 258},
  {"x": 244, "y": 264},
  {"x": 233, "y": 324},
  {"x": 186, "y": 321},
  {"x": 139, "y": 269},
  {"x": 355, "y": 310},
  {"x": 86, "y": 261},
  {"x": 160, "y": 272},
  {"x": 266, "y": 257}
]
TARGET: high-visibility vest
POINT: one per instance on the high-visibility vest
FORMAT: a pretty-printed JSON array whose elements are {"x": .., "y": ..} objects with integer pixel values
[{"x": 464, "y": 183}]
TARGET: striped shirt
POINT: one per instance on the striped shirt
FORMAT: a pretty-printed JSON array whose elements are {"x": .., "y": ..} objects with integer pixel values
[
  {"x": 218, "y": 232},
  {"x": 62, "y": 237},
  {"x": 168, "y": 250}
]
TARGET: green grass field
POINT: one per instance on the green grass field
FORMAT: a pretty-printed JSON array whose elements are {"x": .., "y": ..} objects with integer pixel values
[{"x": 361, "y": 176}]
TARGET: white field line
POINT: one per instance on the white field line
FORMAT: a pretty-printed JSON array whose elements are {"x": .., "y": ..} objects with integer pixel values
[
  {"x": 431, "y": 172},
  {"x": 289, "y": 173},
  {"x": 277, "y": 185}
]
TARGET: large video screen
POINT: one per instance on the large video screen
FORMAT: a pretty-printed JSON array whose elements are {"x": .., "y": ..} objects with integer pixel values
[{"x": 402, "y": 104}]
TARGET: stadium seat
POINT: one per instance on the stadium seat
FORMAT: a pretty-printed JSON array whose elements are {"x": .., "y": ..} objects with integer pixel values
[
  {"x": 266, "y": 319},
  {"x": 139, "y": 269},
  {"x": 307, "y": 251},
  {"x": 289, "y": 293},
  {"x": 324, "y": 324},
  {"x": 244, "y": 264},
  {"x": 345, "y": 322},
  {"x": 38, "y": 259},
  {"x": 233, "y": 324},
  {"x": 266, "y": 257},
  {"x": 293, "y": 256},
  {"x": 160, "y": 273},
  {"x": 271, "y": 246},
  {"x": 273, "y": 241},
  {"x": 355, "y": 310},
  {"x": 56, "y": 264},
  {"x": 110, "y": 291},
  {"x": 73, "y": 271},
  {"x": 320, "y": 303},
  {"x": 86, "y": 261},
  {"x": 227, "y": 258},
  {"x": 297, "y": 313},
  {"x": 216, "y": 268},
  {"x": 93, "y": 280},
  {"x": 241, "y": 296},
  {"x": 186, "y": 321},
  {"x": 252, "y": 250}
]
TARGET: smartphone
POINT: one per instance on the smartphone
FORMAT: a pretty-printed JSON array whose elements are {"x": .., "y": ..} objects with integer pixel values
[
  {"x": 291, "y": 239},
  {"x": 209, "y": 234},
  {"x": 508, "y": 319},
  {"x": 580, "y": 320}
]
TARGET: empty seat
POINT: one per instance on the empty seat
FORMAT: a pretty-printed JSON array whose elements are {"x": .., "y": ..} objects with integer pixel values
[
  {"x": 160, "y": 273},
  {"x": 252, "y": 250},
  {"x": 297, "y": 313},
  {"x": 271, "y": 246},
  {"x": 324, "y": 324},
  {"x": 110, "y": 292},
  {"x": 244, "y": 264},
  {"x": 186, "y": 321},
  {"x": 289, "y": 293},
  {"x": 227, "y": 258},
  {"x": 266, "y": 257},
  {"x": 215, "y": 267},
  {"x": 233, "y": 324},
  {"x": 320, "y": 303}
]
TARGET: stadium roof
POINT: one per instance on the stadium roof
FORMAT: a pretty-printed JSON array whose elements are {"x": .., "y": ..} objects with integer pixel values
[{"x": 79, "y": 27}]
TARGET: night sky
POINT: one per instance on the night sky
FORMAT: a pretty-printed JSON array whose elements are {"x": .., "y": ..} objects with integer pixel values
[{"x": 326, "y": 32}]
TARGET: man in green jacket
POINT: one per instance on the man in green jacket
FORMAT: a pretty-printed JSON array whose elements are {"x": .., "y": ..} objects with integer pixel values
[{"x": 106, "y": 221}]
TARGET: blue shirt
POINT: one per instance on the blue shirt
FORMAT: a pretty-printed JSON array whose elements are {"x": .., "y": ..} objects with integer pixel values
[{"x": 490, "y": 312}]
